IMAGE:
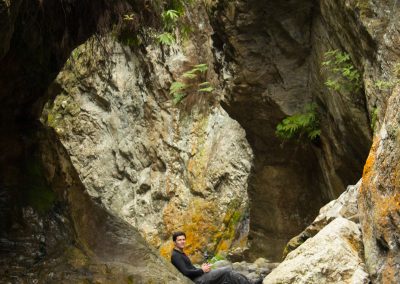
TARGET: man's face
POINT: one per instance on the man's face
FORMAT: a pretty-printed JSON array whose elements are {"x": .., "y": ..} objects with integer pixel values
[{"x": 180, "y": 242}]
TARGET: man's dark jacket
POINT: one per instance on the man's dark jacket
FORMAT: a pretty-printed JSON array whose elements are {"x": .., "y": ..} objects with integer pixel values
[{"x": 184, "y": 265}]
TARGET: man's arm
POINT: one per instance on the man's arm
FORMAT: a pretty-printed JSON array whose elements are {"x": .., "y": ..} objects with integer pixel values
[{"x": 179, "y": 263}]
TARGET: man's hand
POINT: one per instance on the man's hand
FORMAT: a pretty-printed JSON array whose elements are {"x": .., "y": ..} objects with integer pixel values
[{"x": 206, "y": 267}]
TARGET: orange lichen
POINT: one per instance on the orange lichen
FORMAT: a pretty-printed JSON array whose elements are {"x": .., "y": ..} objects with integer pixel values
[
  {"x": 224, "y": 245},
  {"x": 198, "y": 222},
  {"x": 388, "y": 271},
  {"x": 386, "y": 206},
  {"x": 369, "y": 165},
  {"x": 166, "y": 249}
]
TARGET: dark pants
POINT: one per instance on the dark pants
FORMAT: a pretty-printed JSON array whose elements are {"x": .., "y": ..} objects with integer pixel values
[{"x": 223, "y": 275}]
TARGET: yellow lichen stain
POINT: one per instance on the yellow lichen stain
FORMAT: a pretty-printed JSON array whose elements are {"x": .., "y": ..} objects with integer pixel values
[
  {"x": 386, "y": 206},
  {"x": 199, "y": 224},
  {"x": 396, "y": 178},
  {"x": 166, "y": 249},
  {"x": 224, "y": 245},
  {"x": 388, "y": 272},
  {"x": 227, "y": 232},
  {"x": 369, "y": 165},
  {"x": 205, "y": 229}
]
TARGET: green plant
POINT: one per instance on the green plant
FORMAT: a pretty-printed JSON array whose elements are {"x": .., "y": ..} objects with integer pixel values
[
  {"x": 173, "y": 19},
  {"x": 396, "y": 70},
  {"x": 166, "y": 38},
  {"x": 179, "y": 90},
  {"x": 170, "y": 18},
  {"x": 374, "y": 118},
  {"x": 129, "y": 17},
  {"x": 343, "y": 76},
  {"x": 216, "y": 258},
  {"x": 384, "y": 85},
  {"x": 305, "y": 124}
]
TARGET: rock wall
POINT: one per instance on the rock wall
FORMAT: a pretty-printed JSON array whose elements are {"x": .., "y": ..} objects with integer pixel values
[
  {"x": 344, "y": 113},
  {"x": 273, "y": 53},
  {"x": 265, "y": 60},
  {"x": 265, "y": 50},
  {"x": 268, "y": 64},
  {"x": 61, "y": 235},
  {"x": 103, "y": 246},
  {"x": 154, "y": 165},
  {"x": 369, "y": 32},
  {"x": 379, "y": 193}
]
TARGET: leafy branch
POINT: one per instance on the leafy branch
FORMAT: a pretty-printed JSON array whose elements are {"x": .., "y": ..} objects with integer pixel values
[
  {"x": 343, "y": 75},
  {"x": 305, "y": 124},
  {"x": 180, "y": 89}
]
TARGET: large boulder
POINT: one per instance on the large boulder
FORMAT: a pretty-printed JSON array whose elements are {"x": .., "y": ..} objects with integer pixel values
[
  {"x": 345, "y": 206},
  {"x": 334, "y": 255},
  {"x": 155, "y": 165}
]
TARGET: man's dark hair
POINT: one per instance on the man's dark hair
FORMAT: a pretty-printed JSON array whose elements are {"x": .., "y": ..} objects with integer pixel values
[{"x": 177, "y": 234}]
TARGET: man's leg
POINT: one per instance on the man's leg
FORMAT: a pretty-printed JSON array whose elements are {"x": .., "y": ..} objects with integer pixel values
[
  {"x": 217, "y": 276},
  {"x": 237, "y": 278}
]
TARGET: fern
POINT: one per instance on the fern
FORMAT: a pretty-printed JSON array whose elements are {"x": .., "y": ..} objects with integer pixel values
[
  {"x": 170, "y": 17},
  {"x": 343, "y": 75},
  {"x": 333, "y": 85},
  {"x": 166, "y": 38},
  {"x": 177, "y": 87},
  {"x": 178, "y": 97},
  {"x": 202, "y": 68},
  {"x": 180, "y": 90},
  {"x": 305, "y": 124},
  {"x": 374, "y": 118},
  {"x": 204, "y": 84},
  {"x": 385, "y": 85},
  {"x": 190, "y": 74}
]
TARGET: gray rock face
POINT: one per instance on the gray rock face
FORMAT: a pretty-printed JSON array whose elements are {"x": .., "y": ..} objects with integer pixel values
[
  {"x": 344, "y": 112},
  {"x": 334, "y": 255},
  {"x": 149, "y": 163},
  {"x": 100, "y": 247},
  {"x": 64, "y": 236},
  {"x": 266, "y": 63},
  {"x": 156, "y": 167},
  {"x": 345, "y": 206}
]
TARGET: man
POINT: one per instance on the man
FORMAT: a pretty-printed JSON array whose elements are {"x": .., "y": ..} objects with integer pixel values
[{"x": 203, "y": 275}]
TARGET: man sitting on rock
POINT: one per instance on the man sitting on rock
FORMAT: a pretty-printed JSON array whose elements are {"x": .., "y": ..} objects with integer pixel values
[{"x": 203, "y": 275}]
